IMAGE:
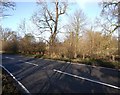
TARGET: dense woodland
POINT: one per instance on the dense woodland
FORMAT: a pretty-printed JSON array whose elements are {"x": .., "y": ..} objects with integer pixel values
[{"x": 80, "y": 42}]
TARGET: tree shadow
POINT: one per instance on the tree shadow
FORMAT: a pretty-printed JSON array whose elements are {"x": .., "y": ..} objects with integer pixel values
[
  {"x": 61, "y": 83},
  {"x": 51, "y": 80},
  {"x": 42, "y": 78}
]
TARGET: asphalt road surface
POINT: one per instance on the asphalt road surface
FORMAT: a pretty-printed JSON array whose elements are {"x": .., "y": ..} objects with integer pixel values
[{"x": 48, "y": 76}]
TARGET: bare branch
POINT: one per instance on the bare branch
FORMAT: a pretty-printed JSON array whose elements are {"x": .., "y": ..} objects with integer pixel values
[
  {"x": 50, "y": 15},
  {"x": 47, "y": 21},
  {"x": 4, "y": 6},
  {"x": 63, "y": 10}
]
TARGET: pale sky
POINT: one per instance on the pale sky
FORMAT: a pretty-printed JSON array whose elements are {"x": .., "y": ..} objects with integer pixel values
[{"x": 26, "y": 10}]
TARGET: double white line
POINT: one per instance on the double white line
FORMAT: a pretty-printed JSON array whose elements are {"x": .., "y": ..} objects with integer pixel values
[{"x": 105, "y": 84}]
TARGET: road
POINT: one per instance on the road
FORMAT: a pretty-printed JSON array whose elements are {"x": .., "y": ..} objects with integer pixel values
[{"x": 49, "y": 76}]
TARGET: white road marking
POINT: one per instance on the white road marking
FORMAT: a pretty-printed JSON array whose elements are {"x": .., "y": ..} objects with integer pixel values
[
  {"x": 19, "y": 60},
  {"x": 25, "y": 89},
  {"x": 78, "y": 64},
  {"x": 60, "y": 61},
  {"x": 94, "y": 66},
  {"x": 31, "y": 63},
  {"x": 67, "y": 62},
  {"x": 105, "y": 84},
  {"x": 9, "y": 57}
]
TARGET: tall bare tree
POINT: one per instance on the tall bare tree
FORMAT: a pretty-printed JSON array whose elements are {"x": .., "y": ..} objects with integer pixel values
[
  {"x": 111, "y": 9},
  {"x": 47, "y": 19},
  {"x": 76, "y": 26}
]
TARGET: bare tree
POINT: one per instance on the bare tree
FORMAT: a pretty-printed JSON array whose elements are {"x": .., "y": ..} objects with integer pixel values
[
  {"x": 22, "y": 27},
  {"x": 25, "y": 43},
  {"x": 6, "y": 34},
  {"x": 4, "y": 6},
  {"x": 47, "y": 19},
  {"x": 76, "y": 25},
  {"x": 111, "y": 12},
  {"x": 9, "y": 40}
]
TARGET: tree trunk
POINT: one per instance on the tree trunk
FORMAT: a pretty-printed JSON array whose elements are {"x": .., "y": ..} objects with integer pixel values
[
  {"x": 75, "y": 55},
  {"x": 119, "y": 29},
  {"x": 113, "y": 57},
  {"x": 83, "y": 56}
]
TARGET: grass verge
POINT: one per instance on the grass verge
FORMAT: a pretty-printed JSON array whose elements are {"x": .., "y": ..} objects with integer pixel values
[{"x": 8, "y": 85}]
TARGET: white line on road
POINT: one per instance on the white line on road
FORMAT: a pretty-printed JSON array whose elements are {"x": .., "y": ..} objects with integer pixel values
[
  {"x": 31, "y": 63},
  {"x": 105, "y": 84},
  {"x": 9, "y": 57},
  {"x": 60, "y": 61},
  {"x": 19, "y": 60},
  {"x": 16, "y": 80}
]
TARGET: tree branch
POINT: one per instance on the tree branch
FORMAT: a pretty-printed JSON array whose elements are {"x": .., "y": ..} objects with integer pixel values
[
  {"x": 50, "y": 16},
  {"x": 62, "y": 10},
  {"x": 47, "y": 21}
]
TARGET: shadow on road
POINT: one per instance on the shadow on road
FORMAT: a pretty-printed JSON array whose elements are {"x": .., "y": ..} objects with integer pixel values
[{"x": 42, "y": 78}]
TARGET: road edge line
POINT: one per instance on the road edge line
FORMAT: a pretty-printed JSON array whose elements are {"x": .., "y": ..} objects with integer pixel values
[{"x": 23, "y": 87}]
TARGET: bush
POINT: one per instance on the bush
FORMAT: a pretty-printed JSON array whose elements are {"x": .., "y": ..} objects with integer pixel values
[
  {"x": 38, "y": 56},
  {"x": 101, "y": 62}
]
